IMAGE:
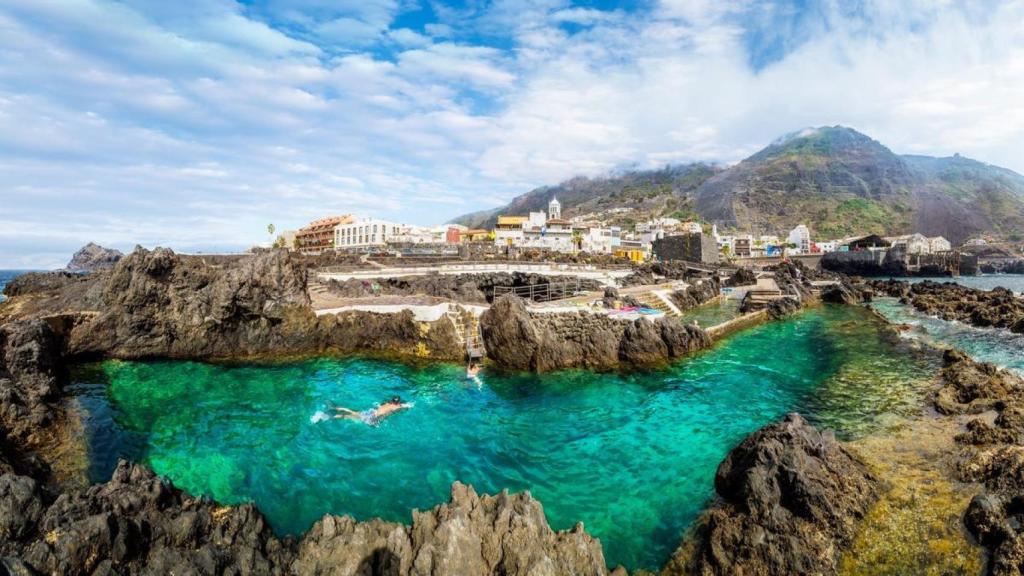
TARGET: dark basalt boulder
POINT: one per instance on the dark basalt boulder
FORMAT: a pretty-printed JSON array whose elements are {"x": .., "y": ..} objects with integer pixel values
[
  {"x": 993, "y": 457},
  {"x": 697, "y": 293},
  {"x": 890, "y": 288},
  {"x": 509, "y": 334},
  {"x": 21, "y": 506},
  {"x": 970, "y": 387},
  {"x": 641, "y": 344},
  {"x": 791, "y": 498},
  {"x": 93, "y": 257},
  {"x": 842, "y": 294},
  {"x": 741, "y": 277},
  {"x": 517, "y": 339},
  {"x": 30, "y": 352},
  {"x": 157, "y": 303},
  {"x": 139, "y": 524},
  {"x": 503, "y": 534}
]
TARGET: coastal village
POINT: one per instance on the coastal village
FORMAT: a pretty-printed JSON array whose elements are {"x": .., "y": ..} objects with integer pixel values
[
  {"x": 660, "y": 267},
  {"x": 548, "y": 232}
]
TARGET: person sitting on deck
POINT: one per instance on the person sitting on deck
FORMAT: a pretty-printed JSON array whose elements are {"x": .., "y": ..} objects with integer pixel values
[{"x": 373, "y": 416}]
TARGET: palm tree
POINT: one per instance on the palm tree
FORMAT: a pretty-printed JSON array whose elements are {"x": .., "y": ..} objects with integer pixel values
[{"x": 270, "y": 231}]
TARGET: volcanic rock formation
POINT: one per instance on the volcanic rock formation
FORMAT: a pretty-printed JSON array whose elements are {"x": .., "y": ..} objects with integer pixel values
[
  {"x": 517, "y": 339},
  {"x": 93, "y": 257},
  {"x": 791, "y": 498}
]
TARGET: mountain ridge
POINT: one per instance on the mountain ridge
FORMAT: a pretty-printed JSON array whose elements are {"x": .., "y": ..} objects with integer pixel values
[{"x": 835, "y": 179}]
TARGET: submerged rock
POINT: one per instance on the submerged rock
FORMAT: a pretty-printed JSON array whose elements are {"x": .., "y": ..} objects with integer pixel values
[{"x": 791, "y": 498}]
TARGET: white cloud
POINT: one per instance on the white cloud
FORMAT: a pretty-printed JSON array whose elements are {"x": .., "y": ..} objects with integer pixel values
[{"x": 194, "y": 123}]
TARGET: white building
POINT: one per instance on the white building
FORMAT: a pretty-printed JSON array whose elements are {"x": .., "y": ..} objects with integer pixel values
[
  {"x": 364, "y": 233},
  {"x": 598, "y": 240},
  {"x": 726, "y": 244},
  {"x": 920, "y": 244},
  {"x": 690, "y": 227},
  {"x": 554, "y": 209},
  {"x": 939, "y": 244},
  {"x": 554, "y": 234},
  {"x": 509, "y": 230},
  {"x": 826, "y": 247},
  {"x": 801, "y": 238},
  {"x": 416, "y": 235}
]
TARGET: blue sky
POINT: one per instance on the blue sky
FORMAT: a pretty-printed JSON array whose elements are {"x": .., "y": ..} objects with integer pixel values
[{"x": 194, "y": 123}]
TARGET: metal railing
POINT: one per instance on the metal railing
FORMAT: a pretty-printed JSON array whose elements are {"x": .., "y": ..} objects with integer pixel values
[
  {"x": 541, "y": 292},
  {"x": 476, "y": 266}
]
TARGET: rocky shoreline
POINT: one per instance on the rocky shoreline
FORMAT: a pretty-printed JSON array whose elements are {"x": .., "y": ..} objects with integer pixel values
[
  {"x": 997, "y": 308},
  {"x": 158, "y": 304},
  {"x": 790, "y": 496}
]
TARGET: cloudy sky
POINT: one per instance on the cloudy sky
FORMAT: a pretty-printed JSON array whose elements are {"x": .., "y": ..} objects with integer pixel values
[{"x": 194, "y": 123}]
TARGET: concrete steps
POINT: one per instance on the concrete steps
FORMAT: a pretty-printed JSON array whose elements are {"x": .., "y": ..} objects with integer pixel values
[{"x": 658, "y": 300}]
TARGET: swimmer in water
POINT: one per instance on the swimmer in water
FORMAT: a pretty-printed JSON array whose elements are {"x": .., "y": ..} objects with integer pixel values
[
  {"x": 373, "y": 416},
  {"x": 472, "y": 370}
]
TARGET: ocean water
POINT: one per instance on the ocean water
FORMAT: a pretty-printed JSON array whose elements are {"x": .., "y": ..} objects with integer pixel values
[
  {"x": 632, "y": 455},
  {"x": 1013, "y": 282},
  {"x": 996, "y": 345},
  {"x": 5, "y": 277}
]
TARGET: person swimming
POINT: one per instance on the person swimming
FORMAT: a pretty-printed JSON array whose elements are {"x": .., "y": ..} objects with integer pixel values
[
  {"x": 472, "y": 370},
  {"x": 373, "y": 416}
]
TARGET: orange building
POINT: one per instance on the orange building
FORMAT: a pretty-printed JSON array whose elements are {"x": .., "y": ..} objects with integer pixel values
[{"x": 318, "y": 235}]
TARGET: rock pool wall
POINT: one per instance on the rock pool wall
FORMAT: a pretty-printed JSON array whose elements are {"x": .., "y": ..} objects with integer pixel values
[{"x": 468, "y": 288}]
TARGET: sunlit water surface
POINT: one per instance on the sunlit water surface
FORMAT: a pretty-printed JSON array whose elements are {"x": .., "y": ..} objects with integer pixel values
[
  {"x": 996, "y": 345},
  {"x": 633, "y": 456}
]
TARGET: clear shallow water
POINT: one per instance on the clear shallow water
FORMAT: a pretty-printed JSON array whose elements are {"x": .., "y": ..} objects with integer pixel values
[
  {"x": 999, "y": 346},
  {"x": 633, "y": 456},
  {"x": 712, "y": 314}
]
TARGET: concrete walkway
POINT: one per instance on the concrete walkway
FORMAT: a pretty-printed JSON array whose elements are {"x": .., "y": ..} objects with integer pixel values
[
  {"x": 422, "y": 313},
  {"x": 606, "y": 276}
]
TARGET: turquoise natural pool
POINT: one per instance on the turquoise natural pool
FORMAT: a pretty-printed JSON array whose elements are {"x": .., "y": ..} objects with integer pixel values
[{"x": 633, "y": 456}]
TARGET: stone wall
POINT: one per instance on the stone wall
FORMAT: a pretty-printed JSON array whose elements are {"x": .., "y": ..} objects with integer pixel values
[{"x": 689, "y": 247}]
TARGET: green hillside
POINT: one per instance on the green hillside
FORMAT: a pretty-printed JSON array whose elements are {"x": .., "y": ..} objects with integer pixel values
[{"x": 834, "y": 179}]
